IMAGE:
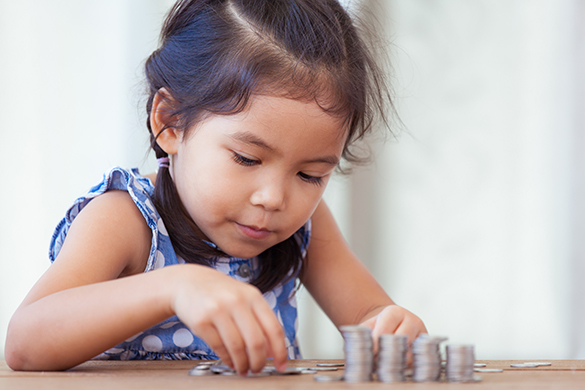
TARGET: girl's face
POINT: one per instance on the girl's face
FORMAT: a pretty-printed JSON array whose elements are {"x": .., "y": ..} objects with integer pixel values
[{"x": 251, "y": 180}]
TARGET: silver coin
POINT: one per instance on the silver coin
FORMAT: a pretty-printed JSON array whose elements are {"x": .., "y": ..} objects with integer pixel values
[
  {"x": 328, "y": 378},
  {"x": 196, "y": 372},
  {"x": 359, "y": 353},
  {"x": 488, "y": 370},
  {"x": 221, "y": 368},
  {"x": 208, "y": 362},
  {"x": 287, "y": 371},
  {"x": 479, "y": 364},
  {"x": 524, "y": 365},
  {"x": 540, "y": 363},
  {"x": 257, "y": 374},
  {"x": 330, "y": 364}
]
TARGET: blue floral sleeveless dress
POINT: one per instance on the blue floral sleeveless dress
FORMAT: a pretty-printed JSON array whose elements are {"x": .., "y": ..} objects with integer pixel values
[{"x": 171, "y": 339}]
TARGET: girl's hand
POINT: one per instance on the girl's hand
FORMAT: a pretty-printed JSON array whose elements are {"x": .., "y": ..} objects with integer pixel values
[
  {"x": 232, "y": 317},
  {"x": 397, "y": 320}
]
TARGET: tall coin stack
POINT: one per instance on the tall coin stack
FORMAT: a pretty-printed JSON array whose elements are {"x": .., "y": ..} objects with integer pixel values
[
  {"x": 392, "y": 350},
  {"x": 460, "y": 361},
  {"x": 426, "y": 355},
  {"x": 359, "y": 353}
]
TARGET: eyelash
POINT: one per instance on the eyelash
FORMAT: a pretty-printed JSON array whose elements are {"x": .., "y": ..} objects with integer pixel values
[
  {"x": 311, "y": 179},
  {"x": 248, "y": 162}
]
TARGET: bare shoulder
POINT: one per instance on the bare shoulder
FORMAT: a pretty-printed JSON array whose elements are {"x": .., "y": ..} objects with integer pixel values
[
  {"x": 108, "y": 239},
  {"x": 116, "y": 228}
]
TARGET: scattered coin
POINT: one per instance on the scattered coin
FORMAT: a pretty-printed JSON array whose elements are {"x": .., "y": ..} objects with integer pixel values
[
  {"x": 287, "y": 371},
  {"x": 221, "y": 368},
  {"x": 208, "y": 363},
  {"x": 330, "y": 364},
  {"x": 199, "y": 372},
  {"x": 323, "y": 368},
  {"x": 524, "y": 365},
  {"x": 328, "y": 378},
  {"x": 540, "y": 363},
  {"x": 257, "y": 374},
  {"x": 488, "y": 370},
  {"x": 308, "y": 371},
  {"x": 479, "y": 364}
]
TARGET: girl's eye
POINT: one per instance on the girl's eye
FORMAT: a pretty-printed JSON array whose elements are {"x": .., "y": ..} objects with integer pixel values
[
  {"x": 311, "y": 179},
  {"x": 244, "y": 160}
]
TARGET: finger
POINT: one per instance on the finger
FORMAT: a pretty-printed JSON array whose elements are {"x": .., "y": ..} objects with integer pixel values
[
  {"x": 234, "y": 343},
  {"x": 412, "y": 329},
  {"x": 211, "y": 337},
  {"x": 387, "y": 322},
  {"x": 254, "y": 338},
  {"x": 273, "y": 332}
]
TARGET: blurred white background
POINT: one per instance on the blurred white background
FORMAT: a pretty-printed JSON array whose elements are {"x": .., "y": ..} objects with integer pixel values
[{"x": 473, "y": 219}]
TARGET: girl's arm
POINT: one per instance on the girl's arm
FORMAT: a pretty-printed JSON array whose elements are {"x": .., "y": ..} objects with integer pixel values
[
  {"x": 343, "y": 287},
  {"x": 96, "y": 295}
]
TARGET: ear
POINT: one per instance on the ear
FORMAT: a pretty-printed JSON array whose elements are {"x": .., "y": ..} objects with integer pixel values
[{"x": 167, "y": 138}]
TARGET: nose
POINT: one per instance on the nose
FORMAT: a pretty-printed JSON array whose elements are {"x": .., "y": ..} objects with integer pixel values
[{"x": 270, "y": 194}]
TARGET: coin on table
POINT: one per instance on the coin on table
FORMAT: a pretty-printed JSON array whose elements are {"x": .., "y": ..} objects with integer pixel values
[
  {"x": 540, "y": 363},
  {"x": 197, "y": 371},
  {"x": 221, "y": 368},
  {"x": 308, "y": 371},
  {"x": 479, "y": 365},
  {"x": 257, "y": 374},
  {"x": 524, "y": 365},
  {"x": 287, "y": 371},
  {"x": 488, "y": 370},
  {"x": 207, "y": 363},
  {"x": 330, "y": 364},
  {"x": 328, "y": 378}
]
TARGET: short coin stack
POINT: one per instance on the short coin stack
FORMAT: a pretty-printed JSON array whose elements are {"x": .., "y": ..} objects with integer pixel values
[
  {"x": 426, "y": 355},
  {"x": 460, "y": 363},
  {"x": 359, "y": 353},
  {"x": 392, "y": 358}
]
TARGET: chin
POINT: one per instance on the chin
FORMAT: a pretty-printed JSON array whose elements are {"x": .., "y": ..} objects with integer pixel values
[{"x": 245, "y": 253}]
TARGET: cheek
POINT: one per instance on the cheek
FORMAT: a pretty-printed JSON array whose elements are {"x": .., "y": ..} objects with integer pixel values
[{"x": 212, "y": 188}]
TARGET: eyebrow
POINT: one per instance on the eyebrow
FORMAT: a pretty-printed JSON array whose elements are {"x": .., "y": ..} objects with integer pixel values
[{"x": 252, "y": 139}]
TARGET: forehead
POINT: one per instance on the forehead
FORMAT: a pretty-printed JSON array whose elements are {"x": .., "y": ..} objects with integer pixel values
[{"x": 289, "y": 122}]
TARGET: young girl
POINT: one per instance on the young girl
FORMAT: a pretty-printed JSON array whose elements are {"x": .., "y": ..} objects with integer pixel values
[{"x": 252, "y": 106}]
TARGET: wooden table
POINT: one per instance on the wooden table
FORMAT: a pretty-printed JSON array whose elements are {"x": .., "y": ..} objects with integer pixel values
[{"x": 562, "y": 374}]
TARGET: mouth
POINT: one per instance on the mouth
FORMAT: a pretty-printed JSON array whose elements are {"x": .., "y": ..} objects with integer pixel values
[{"x": 254, "y": 232}]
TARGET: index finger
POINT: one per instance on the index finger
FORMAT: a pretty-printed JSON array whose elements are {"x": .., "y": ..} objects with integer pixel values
[{"x": 274, "y": 333}]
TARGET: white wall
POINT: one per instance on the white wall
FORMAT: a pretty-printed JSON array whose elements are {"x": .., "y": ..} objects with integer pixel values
[
  {"x": 471, "y": 212},
  {"x": 70, "y": 73},
  {"x": 468, "y": 220}
]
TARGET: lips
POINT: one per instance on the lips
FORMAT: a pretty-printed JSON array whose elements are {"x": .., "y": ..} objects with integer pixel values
[{"x": 253, "y": 232}]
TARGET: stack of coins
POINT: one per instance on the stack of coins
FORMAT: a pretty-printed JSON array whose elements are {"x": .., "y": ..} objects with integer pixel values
[
  {"x": 359, "y": 353},
  {"x": 392, "y": 350},
  {"x": 426, "y": 355},
  {"x": 460, "y": 363}
]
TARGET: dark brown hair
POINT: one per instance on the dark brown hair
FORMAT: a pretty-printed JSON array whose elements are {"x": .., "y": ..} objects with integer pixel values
[{"x": 216, "y": 54}]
